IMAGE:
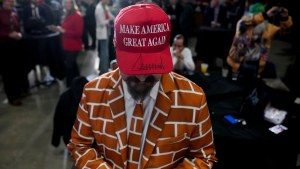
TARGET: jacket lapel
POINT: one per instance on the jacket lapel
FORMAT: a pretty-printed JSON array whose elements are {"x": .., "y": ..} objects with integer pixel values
[
  {"x": 158, "y": 117},
  {"x": 117, "y": 105}
]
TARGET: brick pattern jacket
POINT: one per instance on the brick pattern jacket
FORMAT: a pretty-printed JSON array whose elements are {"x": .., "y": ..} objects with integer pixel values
[{"x": 179, "y": 134}]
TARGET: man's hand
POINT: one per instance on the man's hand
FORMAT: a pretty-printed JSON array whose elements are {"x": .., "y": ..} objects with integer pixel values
[
  {"x": 283, "y": 12},
  {"x": 15, "y": 35},
  {"x": 179, "y": 57},
  {"x": 56, "y": 28},
  {"x": 178, "y": 54}
]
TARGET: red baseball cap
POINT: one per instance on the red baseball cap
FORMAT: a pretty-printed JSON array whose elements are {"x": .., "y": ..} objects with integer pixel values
[{"x": 141, "y": 38}]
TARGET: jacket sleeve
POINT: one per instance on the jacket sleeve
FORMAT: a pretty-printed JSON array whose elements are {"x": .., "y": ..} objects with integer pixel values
[
  {"x": 232, "y": 59},
  {"x": 58, "y": 120},
  {"x": 188, "y": 60},
  {"x": 202, "y": 149},
  {"x": 81, "y": 142}
]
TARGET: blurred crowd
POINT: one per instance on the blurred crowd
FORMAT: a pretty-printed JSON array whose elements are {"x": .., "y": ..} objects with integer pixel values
[{"x": 47, "y": 36}]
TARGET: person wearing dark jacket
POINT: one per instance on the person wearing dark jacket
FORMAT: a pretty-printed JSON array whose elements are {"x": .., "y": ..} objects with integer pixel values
[
  {"x": 89, "y": 28},
  {"x": 10, "y": 36},
  {"x": 66, "y": 110}
]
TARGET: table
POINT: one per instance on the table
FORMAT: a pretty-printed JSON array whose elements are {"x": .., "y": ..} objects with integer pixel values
[
  {"x": 252, "y": 145},
  {"x": 248, "y": 146}
]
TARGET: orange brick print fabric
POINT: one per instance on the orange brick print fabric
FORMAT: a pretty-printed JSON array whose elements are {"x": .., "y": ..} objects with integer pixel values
[{"x": 179, "y": 134}]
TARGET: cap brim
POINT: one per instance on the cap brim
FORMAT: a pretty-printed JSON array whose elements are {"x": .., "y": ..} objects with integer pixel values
[{"x": 132, "y": 63}]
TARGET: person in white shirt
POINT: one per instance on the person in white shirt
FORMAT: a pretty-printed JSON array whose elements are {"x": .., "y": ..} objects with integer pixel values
[
  {"x": 183, "y": 62},
  {"x": 103, "y": 17}
]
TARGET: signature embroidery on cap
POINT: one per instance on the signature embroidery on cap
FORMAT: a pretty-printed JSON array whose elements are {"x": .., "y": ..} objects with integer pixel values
[{"x": 139, "y": 65}]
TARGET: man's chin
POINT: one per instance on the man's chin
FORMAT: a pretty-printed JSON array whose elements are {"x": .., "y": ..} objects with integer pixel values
[
  {"x": 141, "y": 87},
  {"x": 140, "y": 91}
]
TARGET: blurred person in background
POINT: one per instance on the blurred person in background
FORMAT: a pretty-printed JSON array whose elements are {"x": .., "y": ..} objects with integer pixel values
[
  {"x": 248, "y": 55},
  {"x": 11, "y": 58},
  {"x": 183, "y": 62},
  {"x": 113, "y": 65},
  {"x": 215, "y": 14},
  {"x": 173, "y": 10},
  {"x": 89, "y": 30},
  {"x": 36, "y": 16},
  {"x": 103, "y": 18},
  {"x": 71, "y": 30},
  {"x": 186, "y": 20}
]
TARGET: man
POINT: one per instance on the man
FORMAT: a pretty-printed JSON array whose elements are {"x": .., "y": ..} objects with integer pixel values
[
  {"x": 10, "y": 65},
  {"x": 174, "y": 9},
  {"x": 182, "y": 56},
  {"x": 215, "y": 14},
  {"x": 103, "y": 17},
  {"x": 176, "y": 130},
  {"x": 37, "y": 17},
  {"x": 113, "y": 65},
  {"x": 89, "y": 29}
]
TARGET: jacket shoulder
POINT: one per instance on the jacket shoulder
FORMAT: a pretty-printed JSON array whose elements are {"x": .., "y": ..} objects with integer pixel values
[
  {"x": 103, "y": 81},
  {"x": 183, "y": 83}
]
